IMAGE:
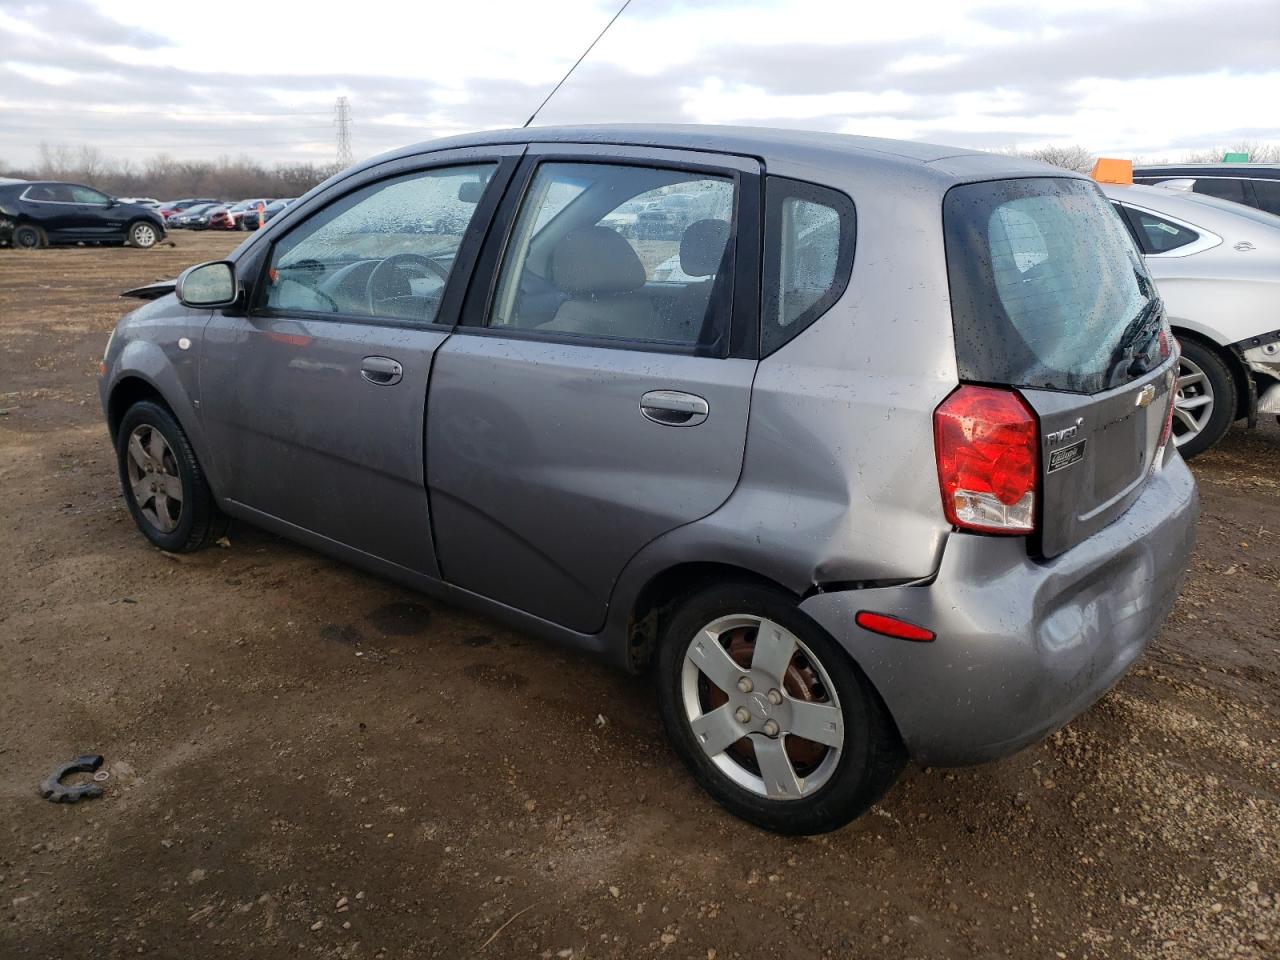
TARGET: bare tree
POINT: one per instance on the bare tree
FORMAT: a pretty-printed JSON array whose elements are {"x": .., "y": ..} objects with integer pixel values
[
  {"x": 1258, "y": 151},
  {"x": 1077, "y": 158}
]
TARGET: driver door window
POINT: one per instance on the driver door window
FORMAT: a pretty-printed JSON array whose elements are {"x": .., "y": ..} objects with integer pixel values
[
  {"x": 383, "y": 251},
  {"x": 87, "y": 195}
]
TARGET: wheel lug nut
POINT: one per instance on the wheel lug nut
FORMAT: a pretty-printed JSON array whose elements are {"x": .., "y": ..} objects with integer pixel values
[
  {"x": 770, "y": 728},
  {"x": 745, "y": 684},
  {"x": 742, "y": 715},
  {"x": 775, "y": 697}
]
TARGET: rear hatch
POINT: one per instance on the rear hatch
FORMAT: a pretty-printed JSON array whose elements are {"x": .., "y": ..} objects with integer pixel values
[{"x": 1050, "y": 296}]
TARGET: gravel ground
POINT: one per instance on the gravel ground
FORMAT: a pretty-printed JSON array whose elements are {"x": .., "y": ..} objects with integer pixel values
[{"x": 306, "y": 760}]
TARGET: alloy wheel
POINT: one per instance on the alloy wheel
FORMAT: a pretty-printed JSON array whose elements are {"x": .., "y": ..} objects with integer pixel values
[
  {"x": 1193, "y": 405},
  {"x": 154, "y": 478},
  {"x": 144, "y": 235},
  {"x": 762, "y": 707}
]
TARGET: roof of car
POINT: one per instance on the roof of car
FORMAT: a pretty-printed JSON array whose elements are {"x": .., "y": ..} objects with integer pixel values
[
  {"x": 1261, "y": 171},
  {"x": 819, "y": 150}
]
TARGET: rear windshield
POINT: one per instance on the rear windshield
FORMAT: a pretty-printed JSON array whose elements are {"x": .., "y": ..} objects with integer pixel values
[{"x": 1047, "y": 288}]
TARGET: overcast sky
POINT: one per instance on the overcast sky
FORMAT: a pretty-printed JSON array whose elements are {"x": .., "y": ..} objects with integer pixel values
[{"x": 136, "y": 77}]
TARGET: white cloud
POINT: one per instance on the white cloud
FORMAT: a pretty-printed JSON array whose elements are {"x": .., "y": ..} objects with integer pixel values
[{"x": 261, "y": 78}]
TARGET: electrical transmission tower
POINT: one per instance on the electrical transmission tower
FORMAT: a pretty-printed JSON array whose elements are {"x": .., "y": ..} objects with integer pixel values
[{"x": 342, "y": 120}]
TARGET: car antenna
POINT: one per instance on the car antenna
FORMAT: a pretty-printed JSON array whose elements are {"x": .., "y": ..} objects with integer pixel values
[{"x": 621, "y": 10}]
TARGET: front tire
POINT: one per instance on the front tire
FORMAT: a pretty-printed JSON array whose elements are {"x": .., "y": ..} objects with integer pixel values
[
  {"x": 163, "y": 482},
  {"x": 28, "y": 237},
  {"x": 1205, "y": 405},
  {"x": 770, "y": 715},
  {"x": 143, "y": 235}
]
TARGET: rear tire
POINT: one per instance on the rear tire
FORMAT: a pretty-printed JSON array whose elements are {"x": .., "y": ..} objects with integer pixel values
[
  {"x": 162, "y": 468},
  {"x": 28, "y": 237},
  {"x": 1205, "y": 406},
  {"x": 823, "y": 784}
]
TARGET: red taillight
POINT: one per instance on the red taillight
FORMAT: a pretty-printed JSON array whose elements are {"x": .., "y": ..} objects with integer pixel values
[
  {"x": 892, "y": 627},
  {"x": 988, "y": 459}
]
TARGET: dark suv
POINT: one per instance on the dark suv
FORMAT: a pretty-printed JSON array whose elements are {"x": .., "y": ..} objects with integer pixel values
[
  {"x": 41, "y": 213},
  {"x": 1253, "y": 184}
]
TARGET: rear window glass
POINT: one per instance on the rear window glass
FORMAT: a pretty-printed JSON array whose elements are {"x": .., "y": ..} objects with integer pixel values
[{"x": 1047, "y": 288}]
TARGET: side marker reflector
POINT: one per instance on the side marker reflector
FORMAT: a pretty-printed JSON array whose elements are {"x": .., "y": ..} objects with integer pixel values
[{"x": 892, "y": 627}]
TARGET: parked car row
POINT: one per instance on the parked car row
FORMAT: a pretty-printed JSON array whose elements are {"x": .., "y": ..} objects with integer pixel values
[
  {"x": 206, "y": 214},
  {"x": 40, "y": 213}
]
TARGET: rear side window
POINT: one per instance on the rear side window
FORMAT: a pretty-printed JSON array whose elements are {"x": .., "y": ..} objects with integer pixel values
[
  {"x": 1156, "y": 234},
  {"x": 809, "y": 240},
  {"x": 621, "y": 252},
  {"x": 49, "y": 192},
  {"x": 1268, "y": 194},
  {"x": 1222, "y": 187},
  {"x": 1047, "y": 288}
]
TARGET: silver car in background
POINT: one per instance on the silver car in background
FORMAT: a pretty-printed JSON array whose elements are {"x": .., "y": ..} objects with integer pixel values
[
  {"x": 1217, "y": 265},
  {"x": 882, "y": 471}
]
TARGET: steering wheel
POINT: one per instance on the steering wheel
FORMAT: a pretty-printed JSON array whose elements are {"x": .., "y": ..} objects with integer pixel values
[{"x": 391, "y": 268}]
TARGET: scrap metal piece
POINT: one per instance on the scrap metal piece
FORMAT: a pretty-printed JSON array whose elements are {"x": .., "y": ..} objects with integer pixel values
[{"x": 52, "y": 789}]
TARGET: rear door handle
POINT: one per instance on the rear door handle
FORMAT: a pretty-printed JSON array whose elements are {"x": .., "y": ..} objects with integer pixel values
[
  {"x": 381, "y": 370},
  {"x": 674, "y": 408}
]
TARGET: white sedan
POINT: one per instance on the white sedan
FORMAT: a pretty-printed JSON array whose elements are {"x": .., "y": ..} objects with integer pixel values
[{"x": 1217, "y": 265}]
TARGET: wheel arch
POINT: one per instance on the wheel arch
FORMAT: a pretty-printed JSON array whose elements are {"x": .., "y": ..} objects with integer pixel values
[
  {"x": 136, "y": 382},
  {"x": 23, "y": 220},
  {"x": 1240, "y": 377},
  {"x": 127, "y": 391},
  {"x": 141, "y": 218},
  {"x": 662, "y": 592}
]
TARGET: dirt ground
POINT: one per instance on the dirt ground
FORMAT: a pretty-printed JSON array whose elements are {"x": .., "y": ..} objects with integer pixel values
[{"x": 309, "y": 761}]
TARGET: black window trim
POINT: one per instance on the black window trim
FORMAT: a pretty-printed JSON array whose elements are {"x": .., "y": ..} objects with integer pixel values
[
  {"x": 779, "y": 189},
  {"x": 746, "y": 174},
  {"x": 256, "y": 260}
]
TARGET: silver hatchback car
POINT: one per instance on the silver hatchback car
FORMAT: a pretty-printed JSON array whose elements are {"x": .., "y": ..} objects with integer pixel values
[{"x": 882, "y": 471}]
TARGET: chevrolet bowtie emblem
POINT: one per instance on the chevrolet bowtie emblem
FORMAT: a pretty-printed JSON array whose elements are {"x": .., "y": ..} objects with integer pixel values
[{"x": 1146, "y": 395}]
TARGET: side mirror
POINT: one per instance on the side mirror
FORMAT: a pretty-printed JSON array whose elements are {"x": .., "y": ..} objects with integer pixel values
[
  {"x": 206, "y": 285},
  {"x": 470, "y": 191}
]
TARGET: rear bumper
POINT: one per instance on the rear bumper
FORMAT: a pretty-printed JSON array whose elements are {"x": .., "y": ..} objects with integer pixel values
[{"x": 1022, "y": 646}]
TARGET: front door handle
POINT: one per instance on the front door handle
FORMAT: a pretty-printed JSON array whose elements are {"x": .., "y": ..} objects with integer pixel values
[
  {"x": 381, "y": 370},
  {"x": 674, "y": 408}
]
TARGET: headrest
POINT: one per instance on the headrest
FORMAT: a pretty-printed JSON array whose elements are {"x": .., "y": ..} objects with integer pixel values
[
  {"x": 702, "y": 247},
  {"x": 596, "y": 260}
]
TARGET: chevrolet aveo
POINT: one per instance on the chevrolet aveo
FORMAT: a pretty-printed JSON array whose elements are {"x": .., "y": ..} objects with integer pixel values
[{"x": 882, "y": 471}]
